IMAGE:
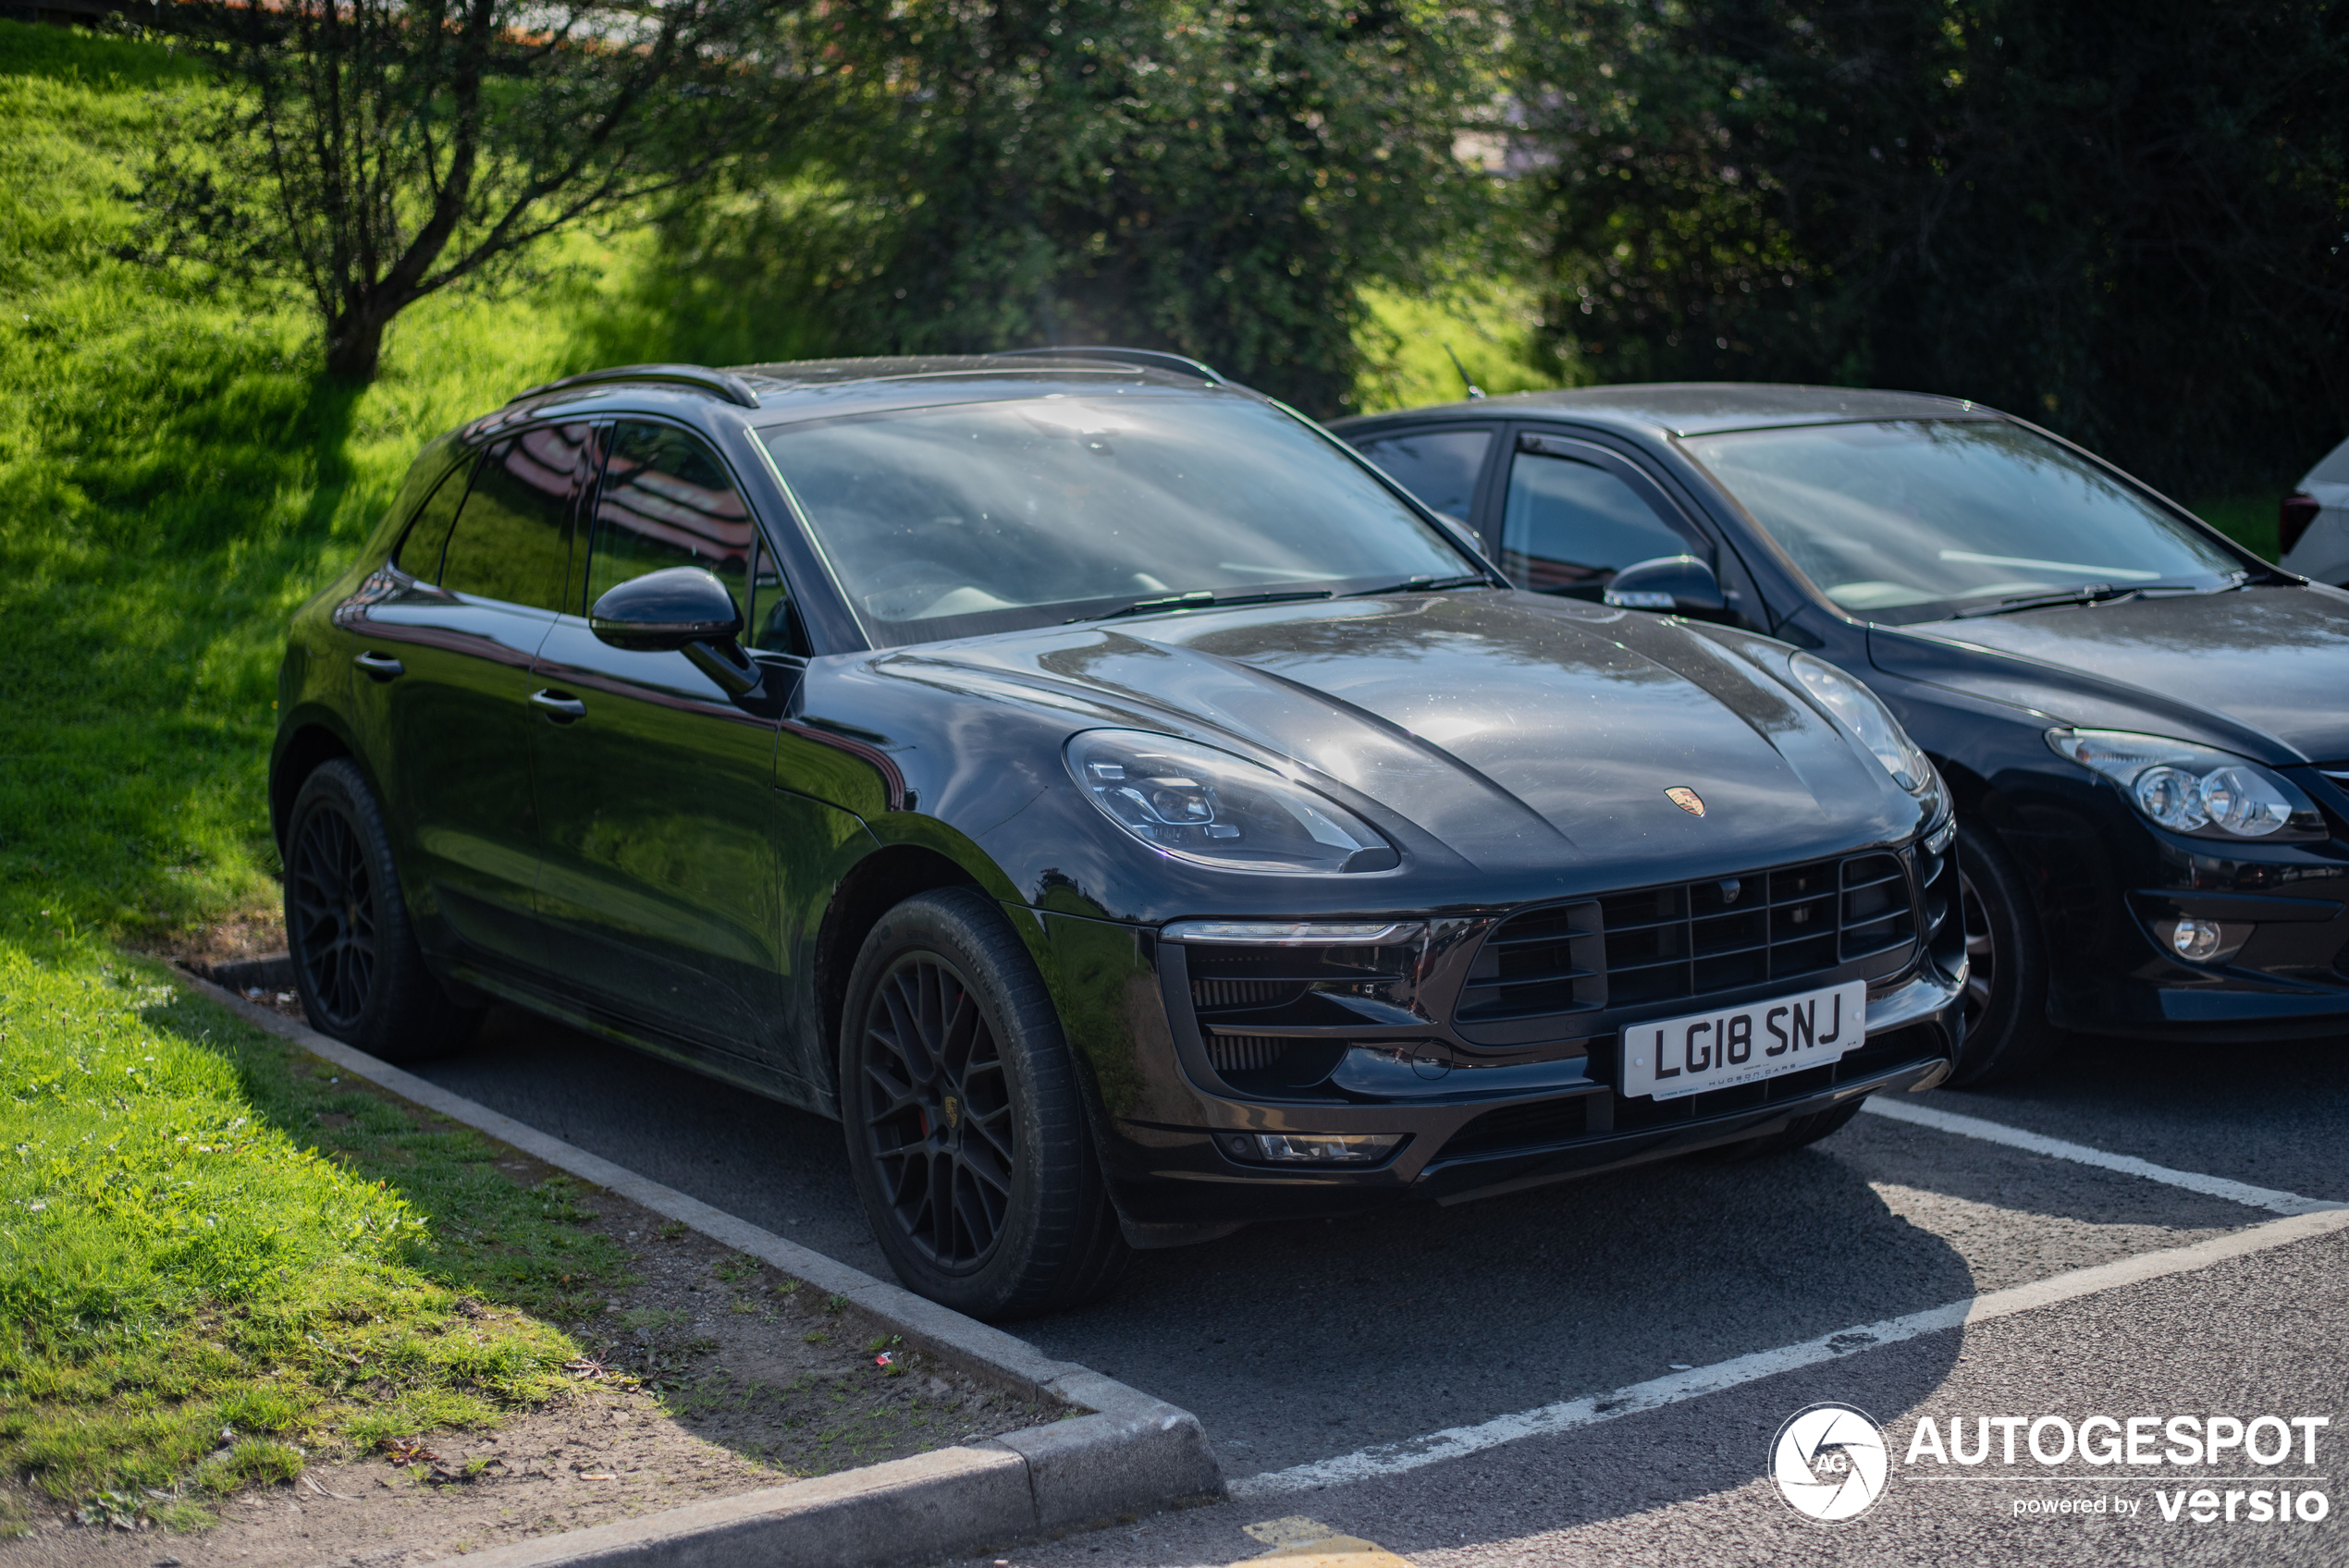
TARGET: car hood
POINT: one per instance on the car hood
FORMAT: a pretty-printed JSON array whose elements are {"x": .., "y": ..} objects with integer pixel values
[
  {"x": 2243, "y": 667},
  {"x": 1510, "y": 728}
]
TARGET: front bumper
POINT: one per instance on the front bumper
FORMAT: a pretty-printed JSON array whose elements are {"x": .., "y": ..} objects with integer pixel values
[
  {"x": 1180, "y": 1176},
  {"x": 2106, "y": 883},
  {"x": 1477, "y": 1110}
]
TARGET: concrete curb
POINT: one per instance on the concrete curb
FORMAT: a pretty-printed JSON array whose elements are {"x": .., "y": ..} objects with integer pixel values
[{"x": 1133, "y": 1455}]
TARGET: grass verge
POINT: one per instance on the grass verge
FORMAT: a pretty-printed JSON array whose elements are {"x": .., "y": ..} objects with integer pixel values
[{"x": 217, "y": 1259}]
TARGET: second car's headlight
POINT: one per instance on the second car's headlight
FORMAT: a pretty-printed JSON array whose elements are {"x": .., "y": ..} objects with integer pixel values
[
  {"x": 1210, "y": 806},
  {"x": 1864, "y": 713},
  {"x": 2194, "y": 790}
]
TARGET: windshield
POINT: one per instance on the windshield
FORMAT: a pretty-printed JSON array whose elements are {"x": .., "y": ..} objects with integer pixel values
[
  {"x": 1914, "y": 519},
  {"x": 989, "y": 517}
]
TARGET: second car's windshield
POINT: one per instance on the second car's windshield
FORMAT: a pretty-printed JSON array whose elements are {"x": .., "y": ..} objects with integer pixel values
[
  {"x": 985, "y": 517},
  {"x": 1912, "y": 519}
]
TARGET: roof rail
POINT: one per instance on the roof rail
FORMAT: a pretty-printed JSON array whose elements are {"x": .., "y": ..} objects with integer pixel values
[
  {"x": 1151, "y": 357},
  {"x": 718, "y": 383}
]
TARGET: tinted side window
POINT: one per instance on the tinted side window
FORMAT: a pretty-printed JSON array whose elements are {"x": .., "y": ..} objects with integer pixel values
[
  {"x": 512, "y": 540},
  {"x": 1438, "y": 466},
  {"x": 666, "y": 501},
  {"x": 420, "y": 548},
  {"x": 1570, "y": 526}
]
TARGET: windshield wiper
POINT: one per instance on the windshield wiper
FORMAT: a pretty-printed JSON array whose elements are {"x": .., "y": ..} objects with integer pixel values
[
  {"x": 1425, "y": 585},
  {"x": 1200, "y": 599},
  {"x": 2086, "y": 594}
]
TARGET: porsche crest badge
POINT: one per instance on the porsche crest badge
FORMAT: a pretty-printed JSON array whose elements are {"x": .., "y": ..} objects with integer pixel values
[{"x": 1688, "y": 799}]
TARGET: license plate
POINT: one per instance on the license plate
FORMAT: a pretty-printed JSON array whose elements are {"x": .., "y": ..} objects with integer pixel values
[{"x": 1741, "y": 1045}]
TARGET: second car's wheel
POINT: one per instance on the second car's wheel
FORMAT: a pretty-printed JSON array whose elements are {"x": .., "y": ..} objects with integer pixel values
[
  {"x": 356, "y": 964},
  {"x": 1801, "y": 1132},
  {"x": 966, "y": 1129},
  {"x": 2007, "y": 1030}
]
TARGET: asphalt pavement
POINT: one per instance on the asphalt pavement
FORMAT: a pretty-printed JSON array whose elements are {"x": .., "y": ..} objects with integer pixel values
[{"x": 1298, "y": 1343}]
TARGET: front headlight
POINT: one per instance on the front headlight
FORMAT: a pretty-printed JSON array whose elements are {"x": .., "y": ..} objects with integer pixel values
[
  {"x": 1200, "y": 804},
  {"x": 2195, "y": 789},
  {"x": 1864, "y": 713}
]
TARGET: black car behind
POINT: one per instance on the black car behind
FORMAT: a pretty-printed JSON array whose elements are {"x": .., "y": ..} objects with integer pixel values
[{"x": 2146, "y": 727}]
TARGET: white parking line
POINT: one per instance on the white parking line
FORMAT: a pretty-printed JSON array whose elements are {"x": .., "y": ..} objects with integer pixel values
[
  {"x": 1411, "y": 1453},
  {"x": 2081, "y": 1154}
]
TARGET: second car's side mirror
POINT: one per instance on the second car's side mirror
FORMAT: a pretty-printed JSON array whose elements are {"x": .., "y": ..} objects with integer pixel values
[
  {"x": 678, "y": 609},
  {"x": 1682, "y": 583}
]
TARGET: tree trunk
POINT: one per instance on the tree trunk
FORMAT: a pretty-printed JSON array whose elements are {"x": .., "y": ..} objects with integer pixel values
[{"x": 355, "y": 346}]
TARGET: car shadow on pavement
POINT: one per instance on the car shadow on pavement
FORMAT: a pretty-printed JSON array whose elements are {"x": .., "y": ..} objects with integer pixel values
[{"x": 1295, "y": 1341}]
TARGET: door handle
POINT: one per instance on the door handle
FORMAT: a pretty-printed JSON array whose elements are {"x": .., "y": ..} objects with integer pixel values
[
  {"x": 380, "y": 667},
  {"x": 559, "y": 708}
]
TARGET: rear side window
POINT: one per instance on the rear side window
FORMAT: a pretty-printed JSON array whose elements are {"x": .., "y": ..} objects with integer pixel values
[
  {"x": 1438, "y": 466},
  {"x": 512, "y": 537},
  {"x": 427, "y": 537},
  {"x": 1570, "y": 526}
]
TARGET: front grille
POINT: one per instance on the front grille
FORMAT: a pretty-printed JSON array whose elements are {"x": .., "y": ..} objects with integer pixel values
[{"x": 1690, "y": 939}]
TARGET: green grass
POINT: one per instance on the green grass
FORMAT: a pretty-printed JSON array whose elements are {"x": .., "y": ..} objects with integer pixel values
[
  {"x": 217, "y": 1259},
  {"x": 177, "y": 479},
  {"x": 1489, "y": 326}
]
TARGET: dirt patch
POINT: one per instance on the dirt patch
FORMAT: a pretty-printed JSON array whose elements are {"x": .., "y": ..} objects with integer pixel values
[
  {"x": 709, "y": 1374},
  {"x": 236, "y": 940}
]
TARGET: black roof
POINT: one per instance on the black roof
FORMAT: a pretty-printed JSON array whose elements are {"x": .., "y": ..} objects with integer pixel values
[{"x": 1697, "y": 408}]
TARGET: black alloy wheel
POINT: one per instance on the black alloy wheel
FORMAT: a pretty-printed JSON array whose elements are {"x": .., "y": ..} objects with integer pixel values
[
  {"x": 967, "y": 1126},
  {"x": 2007, "y": 1032},
  {"x": 361, "y": 975},
  {"x": 330, "y": 919},
  {"x": 938, "y": 1114}
]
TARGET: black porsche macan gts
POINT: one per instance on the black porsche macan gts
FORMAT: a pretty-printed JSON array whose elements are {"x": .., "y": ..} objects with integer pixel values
[{"x": 1126, "y": 811}]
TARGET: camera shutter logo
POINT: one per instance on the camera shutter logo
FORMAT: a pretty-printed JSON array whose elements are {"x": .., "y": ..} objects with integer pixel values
[{"x": 1829, "y": 1463}]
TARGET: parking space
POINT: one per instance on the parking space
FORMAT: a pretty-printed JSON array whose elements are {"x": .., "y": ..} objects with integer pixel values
[{"x": 1296, "y": 1342}]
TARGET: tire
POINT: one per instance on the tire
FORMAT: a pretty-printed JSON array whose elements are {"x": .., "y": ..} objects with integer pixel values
[
  {"x": 1801, "y": 1132},
  {"x": 355, "y": 960},
  {"x": 2007, "y": 1032},
  {"x": 966, "y": 1129}
]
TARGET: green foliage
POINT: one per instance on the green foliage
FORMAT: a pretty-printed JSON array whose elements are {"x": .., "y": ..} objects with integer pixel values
[
  {"x": 192, "y": 1295},
  {"x": 1214, "y": 178},
  {"x": 373, "y": 153},
  {"x": 2125, "y": 222},
  {"x": 1410, "y": 340}
]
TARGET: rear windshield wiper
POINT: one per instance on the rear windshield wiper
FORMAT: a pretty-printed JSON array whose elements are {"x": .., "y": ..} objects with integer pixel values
[
  {"x": 1425, "y": 585},
  {"x": 1200, "y": 599}
]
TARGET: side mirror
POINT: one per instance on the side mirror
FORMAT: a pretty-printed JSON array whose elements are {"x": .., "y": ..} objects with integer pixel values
[
  {"x": 1681, "y": 583},
  {"x": 680, "y": 609}
]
